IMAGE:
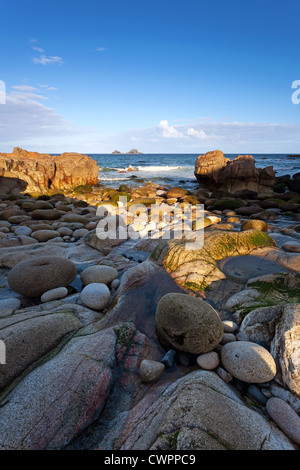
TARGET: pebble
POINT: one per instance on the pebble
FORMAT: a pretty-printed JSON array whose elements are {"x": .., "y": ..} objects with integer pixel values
[
  {"x": 285, "y": 417},
  {"x": 65, "y": 231},
  {"x": 224, "y": 375},
  {"x": 292, "y": 247},
  {"x": 228, "y": 338},
  {"x": 229, "y": 326},
  {"x": 45, "y": 235},
  {"x": 115, "y": 284},
  {"x": 95, "y": 296},
  {"x": 98, "y": 274},
  {"x": 183, "y": 359},
  {"x": 151, "y": 371},
  {"x": 208, "y": 361},
  {"x": 80, "y": 232},
  {"x": 54, "y": 294},
  {"x": 23, "y": 230},
  {"x": 255, "y": 393},
  {"x": 9, "y": 305},
  {"x": 169, "y": 359}
]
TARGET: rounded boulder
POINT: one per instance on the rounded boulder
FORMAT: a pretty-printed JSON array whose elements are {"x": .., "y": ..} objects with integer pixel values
[
  {"x": 254, "y": 225},
  {"x": 248, "y": 362},
  {"x": 33, "y": 277},
  {"x": 188, "y": 323},
  {"x": 95, "y": 296},
  {"x": 98, "y": 274}
]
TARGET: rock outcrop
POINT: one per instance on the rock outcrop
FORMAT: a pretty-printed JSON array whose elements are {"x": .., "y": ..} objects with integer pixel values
[
  {"x": 214, "y": 171},
  {"x": 42, "y": 172}
]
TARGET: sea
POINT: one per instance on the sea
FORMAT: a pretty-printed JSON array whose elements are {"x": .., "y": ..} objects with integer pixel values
[{"x": 173, "y": 169}]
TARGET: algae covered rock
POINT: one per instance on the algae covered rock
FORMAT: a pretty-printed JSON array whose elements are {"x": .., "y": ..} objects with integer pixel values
[
  {"x": 188, "y": 324},
  {"x": 197, "y": 269}
]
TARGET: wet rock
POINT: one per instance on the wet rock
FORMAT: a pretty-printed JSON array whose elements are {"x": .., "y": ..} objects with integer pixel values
[
  {"x": 169, "y": 359},
  {"x": 255, "y": 393}
]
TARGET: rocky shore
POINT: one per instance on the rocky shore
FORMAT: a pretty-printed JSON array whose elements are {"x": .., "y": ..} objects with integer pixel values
[{"x": 140, "y": 342}]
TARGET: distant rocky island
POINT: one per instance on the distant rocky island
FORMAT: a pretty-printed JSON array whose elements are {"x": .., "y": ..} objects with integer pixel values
[{"x": 131, "y": 152}]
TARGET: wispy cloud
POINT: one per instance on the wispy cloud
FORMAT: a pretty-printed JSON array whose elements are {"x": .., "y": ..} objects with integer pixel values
[
  {"x": 27, "y": 123},
  {"x": 47, "y": 60},
  {"x": 101, "y": 49},
  {"x": 24, "y": 88},
  {"x": 48, "y": 88},
  {"x": 38, "y": 49}
]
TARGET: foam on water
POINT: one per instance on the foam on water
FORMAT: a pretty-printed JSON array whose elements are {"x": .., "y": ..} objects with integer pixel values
[{"x": 173, "y": 169}]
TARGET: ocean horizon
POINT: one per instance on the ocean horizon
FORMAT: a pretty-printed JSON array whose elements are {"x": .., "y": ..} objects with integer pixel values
[{"x": 174, "y": 169}]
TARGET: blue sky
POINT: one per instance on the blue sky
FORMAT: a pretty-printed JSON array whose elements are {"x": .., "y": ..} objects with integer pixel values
[{"x": 158, "y": 75}]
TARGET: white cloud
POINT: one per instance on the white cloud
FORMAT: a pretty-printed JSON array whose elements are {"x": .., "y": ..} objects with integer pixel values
[
  {"x": 101, "y": 49},
  {"x": 46, "y": 60},
  {"x": 48, "y": 88},
  {"x": 169, "y": 131},
  {"x": 38, "y": 49},
  {"x": 24, "y": 88},
  {"x": 24, "y": 96},
  {"x": 24, "y": 122},
  {"x": 200, "y": 134}
]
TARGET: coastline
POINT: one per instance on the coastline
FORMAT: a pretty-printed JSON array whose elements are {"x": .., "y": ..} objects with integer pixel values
[{"x": 74, "y": 300}]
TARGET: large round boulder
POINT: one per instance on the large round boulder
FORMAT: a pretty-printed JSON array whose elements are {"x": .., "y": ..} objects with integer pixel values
[
  {"x": 248, "y": 362},
  {"x": 188, "y": 323},
  {"x": 34, "y": 277}
]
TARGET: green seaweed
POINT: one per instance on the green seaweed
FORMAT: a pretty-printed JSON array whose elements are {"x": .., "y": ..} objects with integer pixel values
[{"x": 172, "y": 440}]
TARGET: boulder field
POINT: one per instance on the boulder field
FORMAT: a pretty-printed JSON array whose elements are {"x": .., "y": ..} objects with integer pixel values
[{"x": 141, "y": 343}]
